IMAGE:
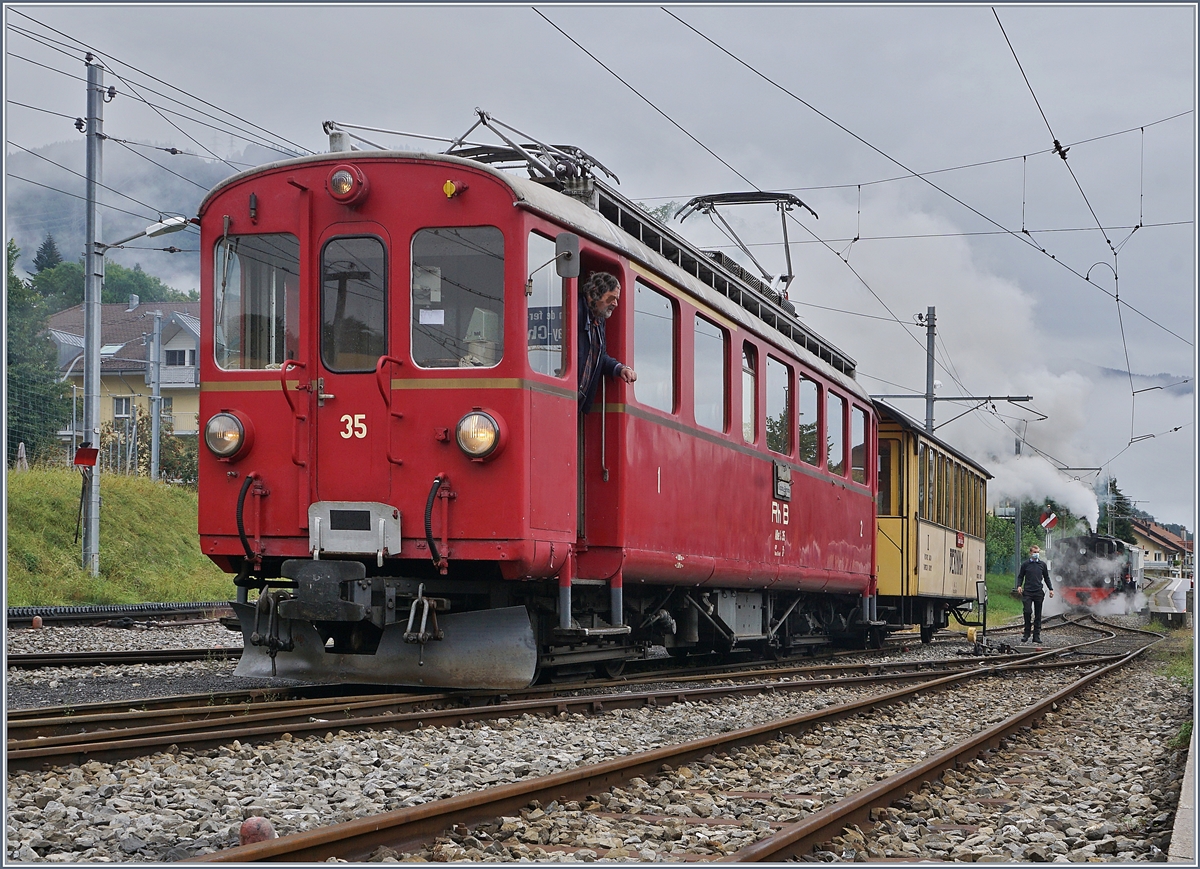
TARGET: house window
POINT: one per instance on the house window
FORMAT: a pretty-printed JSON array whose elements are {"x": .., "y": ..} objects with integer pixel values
[
  {"x": 121, "y": 407},
  {"x": 176, "y": 357}
]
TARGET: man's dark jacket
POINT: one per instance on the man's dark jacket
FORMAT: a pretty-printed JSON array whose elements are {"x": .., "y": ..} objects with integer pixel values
[
  {"x": 1031, "y": 576},
  {"x": 592, "y": 344}
]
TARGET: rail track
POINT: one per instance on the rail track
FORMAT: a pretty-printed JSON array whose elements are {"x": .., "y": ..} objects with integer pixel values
[
  {"x": 42, "y": 737},
  {"x": 19, "y": 617},
  {"x": 36, "y": 660},
  {"x": 775, "y": 836}
]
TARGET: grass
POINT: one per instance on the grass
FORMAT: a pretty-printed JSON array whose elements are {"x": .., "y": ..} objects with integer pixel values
[
  {"x": 1003, "y": 607},
  {"x": 1174, "y": 655},
  {"x": 149, "y": 548}
]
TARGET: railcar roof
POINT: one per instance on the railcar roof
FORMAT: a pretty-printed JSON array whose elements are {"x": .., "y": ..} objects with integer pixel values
[
  {"x": 907, "y": 422},
  {"x": 715, "y": 279}
]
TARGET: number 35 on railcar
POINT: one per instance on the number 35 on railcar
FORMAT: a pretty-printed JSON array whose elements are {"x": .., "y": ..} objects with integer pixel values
[{"x": 397, "y": 471}]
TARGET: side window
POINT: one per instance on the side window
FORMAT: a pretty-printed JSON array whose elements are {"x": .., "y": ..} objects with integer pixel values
[
  {"x": 458, "y": 297},
  {"x": 922, "y": 482},
  {"x": 256, "y": 298},
  {"x": 810, "y": 433},
  {"x": 547, "y": 351},
  {"x": 888, "y": 502},
  {"x": 709, "y": 370},
  {"x": 779, "y": 422},
  {"x": 835, "y": 435},
  {"x": 858, "y": 445},
  {"x": 654, "y": 348},
  {"x": 353, "y": 304},
  {"x": 749, "y": 393}
]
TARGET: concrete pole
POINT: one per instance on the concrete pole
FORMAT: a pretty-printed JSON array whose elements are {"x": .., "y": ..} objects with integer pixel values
[
  {"x": 155, "y": 394},
  {"x": 930, "y": 331},
  {"x": 93, "y": 284}
]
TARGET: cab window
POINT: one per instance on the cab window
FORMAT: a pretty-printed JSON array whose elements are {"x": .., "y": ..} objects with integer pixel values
[
  {"x": 458, "y": 297},
  {"x": 353, "y": 304},
  {"x": 547, "y": 352},
  {"x": 256, "y": 295}
]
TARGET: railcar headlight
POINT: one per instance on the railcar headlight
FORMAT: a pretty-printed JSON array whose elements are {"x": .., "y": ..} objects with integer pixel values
[
  {"x": 225, "y": 435},
  {"x": 478, "y": 434},
  {"x": 347, "y": 184}
]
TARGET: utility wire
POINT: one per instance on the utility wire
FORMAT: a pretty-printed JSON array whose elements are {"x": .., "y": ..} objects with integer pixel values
[
  {"x": 645, "y": 99},
  {"x": 853, "y": 271},
  {"x": 1020, "y": 236},
  {"x": 191, "y": 96},
  {"x": 84, "y": 177},
  {"x": 159, "y": 165}
]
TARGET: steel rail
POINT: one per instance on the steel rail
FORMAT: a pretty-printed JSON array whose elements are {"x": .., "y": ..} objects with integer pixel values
[
  {"x": 39, "y": 743},
  {"x": 408, "y": 828},
  {"x": 202, "y": 703},
  {"x": 799, "y": 838},
  {"x": 38, "y": 660},
  {"x": 21, "y": 616}
]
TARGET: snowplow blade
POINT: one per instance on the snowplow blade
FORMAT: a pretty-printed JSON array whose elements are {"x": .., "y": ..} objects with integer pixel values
[{"x": 491, "y": 649}]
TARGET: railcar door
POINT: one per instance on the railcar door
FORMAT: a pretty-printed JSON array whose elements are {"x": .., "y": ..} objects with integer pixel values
[{"x": 350, "y": 417}]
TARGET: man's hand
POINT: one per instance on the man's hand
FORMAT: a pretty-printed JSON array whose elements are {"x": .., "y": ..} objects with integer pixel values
[
  {"x": 628, "y": 374},
  {"x": 1051, "y": 594}
]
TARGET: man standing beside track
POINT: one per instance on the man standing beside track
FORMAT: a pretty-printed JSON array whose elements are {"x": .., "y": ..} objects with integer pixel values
[
  {"x": 1030, "y": 577},
  {"x": 598, "y": 297}
]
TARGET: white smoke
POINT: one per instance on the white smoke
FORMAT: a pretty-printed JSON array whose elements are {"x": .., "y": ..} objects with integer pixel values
[{"x": 1032, "y": 478}]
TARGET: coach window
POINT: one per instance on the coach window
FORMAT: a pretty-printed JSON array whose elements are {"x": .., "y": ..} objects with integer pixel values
[
  {"x": 888, "y": 501},
  {"x": 547, "y": 353},
  {"x": 779, "y": 426},
  {"x": 458, "y": 297},
  {"x": 923, "y": 481},
  {"x": 256, "y": 301},
  {"x": 810, "y": 433},
  {"x": 654, "y": 348},
  {"x": 353, "y": 304},
  {"x": 858, "y": 445},
  {"x": 749, "y": 393},
  {"x": 709, "y": 374},
  {"x": 835, "y": 436}
]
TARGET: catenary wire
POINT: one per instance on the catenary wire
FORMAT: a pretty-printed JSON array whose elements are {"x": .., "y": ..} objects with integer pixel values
[{"x": 1020, "y": 236}]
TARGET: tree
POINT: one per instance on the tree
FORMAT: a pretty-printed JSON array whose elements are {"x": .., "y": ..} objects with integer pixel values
[
  {"x": 62, "y": 286},
  {"x": 1001, "y": 539},
  {"x": 37, "y": 406},
  {"x": 664, "y": 213},
  {"x": 47, "y": 255}
]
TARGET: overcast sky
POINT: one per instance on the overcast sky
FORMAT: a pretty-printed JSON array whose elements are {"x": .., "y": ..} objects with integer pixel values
[{"x": 838, "y": 105}]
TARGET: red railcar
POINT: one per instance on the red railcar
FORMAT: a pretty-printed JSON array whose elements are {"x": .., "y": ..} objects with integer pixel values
[{"x": 394, "y": 457}]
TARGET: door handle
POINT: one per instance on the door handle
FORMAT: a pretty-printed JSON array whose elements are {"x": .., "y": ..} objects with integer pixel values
[{"x": 321, "y": 393}]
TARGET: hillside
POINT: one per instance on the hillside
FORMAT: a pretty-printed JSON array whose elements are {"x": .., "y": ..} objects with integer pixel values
[{"x": 149, "y": 550}]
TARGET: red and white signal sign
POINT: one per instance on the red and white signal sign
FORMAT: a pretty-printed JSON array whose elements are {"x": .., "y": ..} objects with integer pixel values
[{"x": 1048, "y": 520}]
